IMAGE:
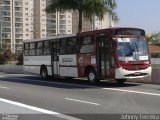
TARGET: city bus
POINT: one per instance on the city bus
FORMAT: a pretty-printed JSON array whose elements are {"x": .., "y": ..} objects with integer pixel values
[{"x": 112, "y": 54}]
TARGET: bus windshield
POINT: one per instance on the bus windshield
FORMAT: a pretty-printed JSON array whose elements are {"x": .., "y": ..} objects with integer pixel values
[{"x": 132, "y": 49}]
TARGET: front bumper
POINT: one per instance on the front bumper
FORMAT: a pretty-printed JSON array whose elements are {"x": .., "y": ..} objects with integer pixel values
[{"x": 121, "y": 73}]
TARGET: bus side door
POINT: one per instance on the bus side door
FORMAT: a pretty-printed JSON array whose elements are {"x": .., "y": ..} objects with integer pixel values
[
  {"x": 55, "y": 57},
  {"x": 103, "y": 53}
]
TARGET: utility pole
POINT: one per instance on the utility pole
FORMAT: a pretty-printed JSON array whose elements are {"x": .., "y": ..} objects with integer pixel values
[
  {"x": 1, "y": 32},
  {"x": 1, "y": 24}
]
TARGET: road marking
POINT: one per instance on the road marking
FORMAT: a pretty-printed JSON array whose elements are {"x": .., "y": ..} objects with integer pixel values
[
  {"x": 38, "y": 109},
  {"x": 87, "y": 86},
  {"x": 131, "y": 91},
  {"x": 82, "y": 101},
  {"x": 4, "y": 87}
]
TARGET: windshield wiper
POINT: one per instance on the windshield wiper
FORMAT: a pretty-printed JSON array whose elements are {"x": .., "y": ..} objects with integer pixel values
[
  {"x": 137, "y": 51},
  {"x": 136, "y": 47}
]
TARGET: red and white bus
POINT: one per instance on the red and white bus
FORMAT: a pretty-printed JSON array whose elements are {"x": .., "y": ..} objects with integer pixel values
[{"x": 113, "y": 53}]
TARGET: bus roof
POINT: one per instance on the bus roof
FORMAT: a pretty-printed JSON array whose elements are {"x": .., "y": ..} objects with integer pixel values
[
  {"x": 51, "y": 38},
  {"x": 112, "y": 30}
]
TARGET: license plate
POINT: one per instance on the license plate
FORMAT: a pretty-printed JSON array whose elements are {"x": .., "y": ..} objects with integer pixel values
[{"x": 137, "y": 73}]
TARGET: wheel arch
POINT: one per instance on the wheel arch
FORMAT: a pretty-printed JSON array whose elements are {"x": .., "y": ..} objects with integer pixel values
[
  {"x": 42, "y": 67},
  {"x": 87, "y": 68}
]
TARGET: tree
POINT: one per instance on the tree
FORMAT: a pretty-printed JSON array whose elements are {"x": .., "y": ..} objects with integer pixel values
[
  {"x": 86, "y": 8},
  {"x": 112, "y": 6},
  {"x": 5, "y": 56},
  {"x": 149, "y": 38},
  {"x": 113, "y": 16},
  {"x": 20, "y": 59},
  {"x": 156, "y": 36}
]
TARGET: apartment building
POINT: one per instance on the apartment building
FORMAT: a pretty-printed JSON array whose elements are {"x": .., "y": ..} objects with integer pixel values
[
  {"x": 11, "y": 17},
  {"x": 88, "y": 25},
  {"x": 28, "y": 19},
  {"x": 39, "y": 18},
  {"x": 106, "y": 22},
  {"x": 59, "y": 22},
  {"x": 51, "y": 24}
]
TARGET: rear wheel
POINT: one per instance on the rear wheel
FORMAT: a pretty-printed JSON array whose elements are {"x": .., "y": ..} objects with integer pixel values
[
  {"x": 69, "y": 78},
  {"x": 44, "y": 73},
  {"x": 121, "y": 81},
  {"x": 91, "y": 76}
]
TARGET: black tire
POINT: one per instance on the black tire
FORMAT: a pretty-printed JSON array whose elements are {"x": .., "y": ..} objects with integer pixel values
[
  {"x": 121, "y": 81},
  {"x": 91, "y": 76},
  {"x": 68, "y": 78},
  {"x": 44, "y": 73}
]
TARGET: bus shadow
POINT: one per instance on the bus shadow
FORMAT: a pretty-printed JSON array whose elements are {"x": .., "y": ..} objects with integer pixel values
[{"x": 65, "y": 83}]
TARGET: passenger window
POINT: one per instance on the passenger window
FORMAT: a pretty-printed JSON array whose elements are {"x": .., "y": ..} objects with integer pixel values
[
  {"x": 63, "y": 46},
  {"x": 46, "y": 50},
  {"x": 39, "y": 50},
  {"x": 26, "y": 46},
  {"x": 72, "y": 47},
  {"x": 86, "y": 44},
  {"x": 39, "y": 45},
  {"x": 32, "y": 45},
  {"x": 26, "y": 49}
]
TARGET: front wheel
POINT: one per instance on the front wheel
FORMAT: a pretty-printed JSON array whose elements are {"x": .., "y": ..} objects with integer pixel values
[
  {"x": 44, "y": 73},
  {"x": 91, "y": 76},
  {"x": 121, "y": 81}
]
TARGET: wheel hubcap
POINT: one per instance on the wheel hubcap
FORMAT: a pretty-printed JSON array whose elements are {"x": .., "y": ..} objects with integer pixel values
[
  {"x": 91, "y": 76},
  {"x": 44, "y": 73}
]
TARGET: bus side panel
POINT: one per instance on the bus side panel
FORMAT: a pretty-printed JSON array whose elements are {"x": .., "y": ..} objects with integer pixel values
[
  {"x": 68, "y": 65},
  {"x": 84, "y": 60},
  {"x": 32, "y": 64},
  {"x": 68, "y": 71}
]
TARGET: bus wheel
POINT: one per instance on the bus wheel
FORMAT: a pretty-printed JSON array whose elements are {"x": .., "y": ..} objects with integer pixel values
[
  {"x": 121, "y": 81},
  {"x": 91, "y": 75},
  {"x": 44, "y": 73}
]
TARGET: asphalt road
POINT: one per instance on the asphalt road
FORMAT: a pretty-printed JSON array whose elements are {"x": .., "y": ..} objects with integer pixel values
[{"x": 76, "y": 98}]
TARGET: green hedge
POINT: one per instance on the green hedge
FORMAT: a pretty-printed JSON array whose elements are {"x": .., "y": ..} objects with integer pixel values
[
  {"x": 155, "y": 55},
  {"x": 7, "y": 55},
  {"x": 20, "y": 59}
]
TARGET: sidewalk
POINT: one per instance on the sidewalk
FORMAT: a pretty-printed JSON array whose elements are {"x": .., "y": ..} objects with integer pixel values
[
  {"x": 156, "y": 76},
  {"x": 18, "y": 69},
  {"x": 10, "y": 68}
]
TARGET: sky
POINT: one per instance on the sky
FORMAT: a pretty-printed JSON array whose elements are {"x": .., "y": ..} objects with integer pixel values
[{"x": 143, "y": 14}]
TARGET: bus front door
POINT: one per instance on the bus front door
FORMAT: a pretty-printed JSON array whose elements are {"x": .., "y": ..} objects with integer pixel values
[
  {"x": 55, "y": 58},
  {"x": 103, "y": 56}
]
